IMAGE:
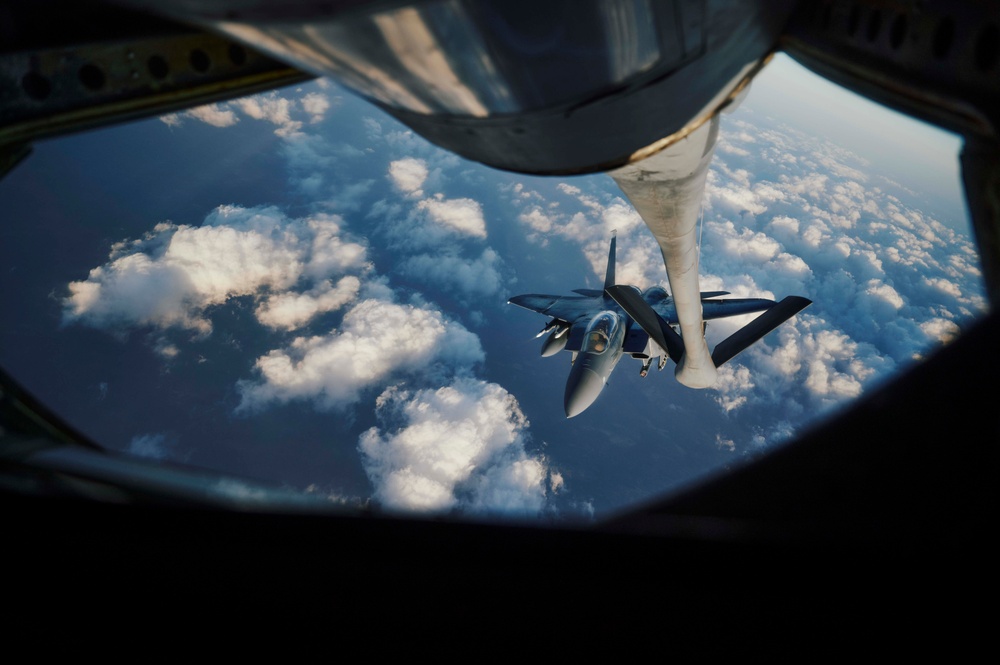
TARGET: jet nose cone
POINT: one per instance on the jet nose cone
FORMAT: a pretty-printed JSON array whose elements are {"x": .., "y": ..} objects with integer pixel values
[{"x": 582, "y": 389}]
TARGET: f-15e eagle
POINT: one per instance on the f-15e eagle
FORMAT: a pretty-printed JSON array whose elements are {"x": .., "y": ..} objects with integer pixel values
[{"x": 601, "y": 327}]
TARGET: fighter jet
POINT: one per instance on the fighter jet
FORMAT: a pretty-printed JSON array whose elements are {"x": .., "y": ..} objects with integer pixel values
[{"x": 601, "y": 327}]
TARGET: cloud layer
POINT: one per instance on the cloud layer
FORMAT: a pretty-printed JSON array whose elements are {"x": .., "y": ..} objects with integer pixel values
[
  {"x": 171, "y": 276},
  {"x": 437, "y": 236},
  {"x": 461, "y": 445},
  {"x": 786, "y": 214},
  {"x": 366, "y": 331},
  {"x": 376, "y": 341},
  {"x": 269, "y": 107},
  {"x": 446, "y": 440}
]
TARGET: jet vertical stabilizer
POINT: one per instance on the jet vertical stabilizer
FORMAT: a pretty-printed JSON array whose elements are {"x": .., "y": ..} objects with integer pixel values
[{"x": 609, "y": 277}]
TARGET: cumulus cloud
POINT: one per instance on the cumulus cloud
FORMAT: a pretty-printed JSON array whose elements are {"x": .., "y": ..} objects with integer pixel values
[
  {"x": 827, "y": 233},
  {"x": 165, "y": 348},
  {"x": 214, "y": 115},
  {"x": 316, "y": 104},
  {"x": 211, "y": 114},
  {"x": 269, "y": 107},
  {"x": 940, "y": 330},
  {"x": 339, "y": 334},
  {"x": 433, "y": 237},
  {"x": 272, "y": 108},
  {"x": 591, "y": 225},
  {"x": 423, "y": 221},
  {"x": 537, "y": 219},
  {"x": 463, "y": 216},
  {"x": 376, "y": 341},
  {"x": 725, "y": 443},
  {"x": 733, "y": 385},
  {"x": 289, "y": 311},
  {"x": 785, "y": 213},
  {"x": 458, "y": 446},
  {"x": 470, "y": 279},
  {"x": 171, "y": 276},
  {"x": 408, "y": 175}
]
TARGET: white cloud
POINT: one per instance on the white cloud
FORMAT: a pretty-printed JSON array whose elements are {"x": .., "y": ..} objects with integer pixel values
[
  {"x": 462, "y": 216},
  {"x": 170, "y": 277},
  {"x": 211, "y": 114},
  {"x": 214, "y": 115},
  {"x": 431, "y": 224},
  {"x": 944, "y": 285},
  {"x": 459, "y": 446},
  {"x": 725, "y": 443},
  {"x": 408, "y": 175},
  {"x": 832, "y": 366},
  {"x": 537, "y": 219},
  {"x": 327, "y": 253},
  {"x": 163, "y": 347},
  {"x": 881, "y": 300},
  {"x": 269, "y": 107},
  {"x": 788, "y": 214},
  {"x": 471, "y": 279},
  {"x": 272, "y": 108},
  {"x": 638, "y": 256},
  {"x": 940, "y": 330},
  {"x": 376, "y": 341},
  {"x": 733, "y": 385},
  {"x": 289, "y": 311},
  {"x": 316, "y": 104}
]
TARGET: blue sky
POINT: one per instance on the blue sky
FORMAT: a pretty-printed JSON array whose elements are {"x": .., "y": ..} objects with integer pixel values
[
  {"x": 294, "y": 288},
  {"x": 904, "y": 148}
]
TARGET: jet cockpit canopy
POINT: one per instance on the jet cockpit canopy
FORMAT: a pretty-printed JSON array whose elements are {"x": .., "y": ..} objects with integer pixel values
[{"x": 600, "y": 332}]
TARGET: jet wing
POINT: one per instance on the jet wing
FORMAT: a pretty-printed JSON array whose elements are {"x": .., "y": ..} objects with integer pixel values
[
  {"x": 649, "y": 320},
  {"x": 567, "y": 308},
  {"x": 756, "y": 329},
  {"x": 718, "y": 309},
  {"x": 714, "y": 309}
]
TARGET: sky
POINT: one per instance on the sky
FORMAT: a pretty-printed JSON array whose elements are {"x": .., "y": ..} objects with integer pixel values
[{"x": 295, "y": 289}]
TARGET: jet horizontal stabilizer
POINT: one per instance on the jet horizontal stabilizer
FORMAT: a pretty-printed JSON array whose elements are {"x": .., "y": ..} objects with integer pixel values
[
  {"x": 713, "y": 294},
  {"x": 593, "y": 293},
  {"x": 728, "y": 348},
  {"x": 647, "y": 318}
]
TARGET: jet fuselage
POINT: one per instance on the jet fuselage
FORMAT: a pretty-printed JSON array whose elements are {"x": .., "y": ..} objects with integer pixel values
[
  {"x": 602, "y": 348},
  {"x": 599, "y": 327}
]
